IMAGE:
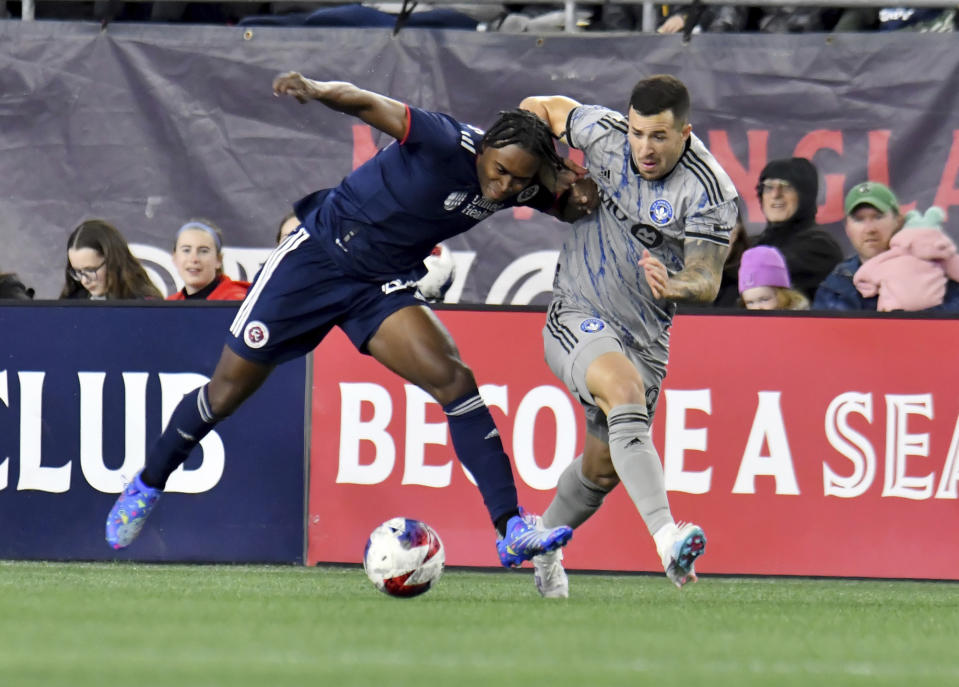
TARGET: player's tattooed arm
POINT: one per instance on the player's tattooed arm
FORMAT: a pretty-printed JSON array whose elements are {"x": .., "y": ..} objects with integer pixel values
[
  {"x": 698, "y": 282},
  {"x": 379, "y": 111}
]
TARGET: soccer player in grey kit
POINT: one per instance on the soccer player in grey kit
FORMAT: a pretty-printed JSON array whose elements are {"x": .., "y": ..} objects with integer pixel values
[{"x": 658, "y": 236}]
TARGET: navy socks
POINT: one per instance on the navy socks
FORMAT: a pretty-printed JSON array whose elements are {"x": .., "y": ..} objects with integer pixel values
[
  {"x": 478, "y": 446},
  {"x": 191, "y": 421}
]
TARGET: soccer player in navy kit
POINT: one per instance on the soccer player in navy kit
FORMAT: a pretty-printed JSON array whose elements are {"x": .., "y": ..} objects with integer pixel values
[{"x": 353, "y": 263}]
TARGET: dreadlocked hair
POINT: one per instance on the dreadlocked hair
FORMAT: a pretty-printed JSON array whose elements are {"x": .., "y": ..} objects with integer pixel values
[{"x": 525, "y": 129}]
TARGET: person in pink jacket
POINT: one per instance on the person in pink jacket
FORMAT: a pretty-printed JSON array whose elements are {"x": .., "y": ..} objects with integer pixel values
[{"x": 914, "y": 272}]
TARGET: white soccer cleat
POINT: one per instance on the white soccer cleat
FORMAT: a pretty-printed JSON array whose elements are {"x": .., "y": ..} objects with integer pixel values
[
  {"x": 549, "y": 575},
  {"x": 679, "y": 546}
]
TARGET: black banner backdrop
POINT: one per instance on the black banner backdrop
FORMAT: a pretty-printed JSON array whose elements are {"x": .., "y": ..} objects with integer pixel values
[{"x": 147, "y": 126}]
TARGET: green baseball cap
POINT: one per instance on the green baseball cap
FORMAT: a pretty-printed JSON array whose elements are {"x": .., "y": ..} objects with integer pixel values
[{"x": 871, "y": 193}]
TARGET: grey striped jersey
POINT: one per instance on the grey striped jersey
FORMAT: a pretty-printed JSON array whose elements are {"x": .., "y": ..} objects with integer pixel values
[{"x": 598, "y": 266}]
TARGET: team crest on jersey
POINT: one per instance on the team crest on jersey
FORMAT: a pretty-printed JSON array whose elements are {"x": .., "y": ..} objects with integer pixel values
[
  {"x": 527, "y": 193},
  {"x": 256, "y": 334},
  {"x": 660, "y": 211},
  {"x": 592, "y": 325},
  {"x": 454, "y": 200}
]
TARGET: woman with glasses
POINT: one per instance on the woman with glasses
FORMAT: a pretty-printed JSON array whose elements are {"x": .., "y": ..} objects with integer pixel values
[
  {"x": 101, "y": 267},
  {"x": 198, "y": 256},
  {"x": 788, "y": 191}
]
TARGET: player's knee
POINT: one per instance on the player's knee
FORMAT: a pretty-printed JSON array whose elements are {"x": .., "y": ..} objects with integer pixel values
[
  {"x": 449, "y": 380},
  {"x": 598, "y": 469},
  {"x": 605, "y": 479},
  {"x": 623, "y": 392},
  {"x": 225, "y": 396}
]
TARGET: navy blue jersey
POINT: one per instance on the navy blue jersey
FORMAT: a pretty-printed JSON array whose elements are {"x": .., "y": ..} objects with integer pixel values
[{"x": 389, "y": 213}]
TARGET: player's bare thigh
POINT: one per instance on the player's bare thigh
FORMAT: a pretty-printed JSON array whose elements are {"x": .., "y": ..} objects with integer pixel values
[
  {"x": 414, "y": 344},
  {"x": 613, "y": 380}
]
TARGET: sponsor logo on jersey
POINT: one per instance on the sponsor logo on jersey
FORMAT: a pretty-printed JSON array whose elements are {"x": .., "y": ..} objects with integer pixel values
[
  {"x": 398, "y": 285},
  {"x": 592, "y": 325},
  {"x": 454, "y": 200},
  {"x": 256, "y": 334},
  {"x": 660, "y": 211},
  {"x": 527, "y": 193}
]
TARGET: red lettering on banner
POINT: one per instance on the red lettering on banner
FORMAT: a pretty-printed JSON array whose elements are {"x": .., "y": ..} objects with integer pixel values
[
  {"x": 948, "y": 193},
  {"x": 877, "y": 167},
  {"x": 744, "y": 178},
  {"x": 363, "y": 146},
  {"x": 822, "y": 139}
]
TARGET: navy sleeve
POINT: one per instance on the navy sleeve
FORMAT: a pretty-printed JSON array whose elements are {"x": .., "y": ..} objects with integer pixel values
[{"x": 433, "y": 130}]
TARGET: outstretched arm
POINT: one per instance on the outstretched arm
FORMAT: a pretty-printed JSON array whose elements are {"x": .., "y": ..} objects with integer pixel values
[
  {"x": 380, "y": 112},
  {"x": 699, "y": 280},
  {"x": 553, "y": 109}
]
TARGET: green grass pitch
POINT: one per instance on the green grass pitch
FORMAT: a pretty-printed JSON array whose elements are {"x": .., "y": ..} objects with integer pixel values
[{"x": 84, "y": 624}]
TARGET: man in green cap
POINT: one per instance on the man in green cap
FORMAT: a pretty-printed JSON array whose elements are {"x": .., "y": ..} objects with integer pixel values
[{"x": 872, "y": 218}]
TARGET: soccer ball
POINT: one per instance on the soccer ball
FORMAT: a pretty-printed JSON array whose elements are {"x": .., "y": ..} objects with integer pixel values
[
  {"x": 404, "y": 557},
  {"x": 440, "y": 271}
]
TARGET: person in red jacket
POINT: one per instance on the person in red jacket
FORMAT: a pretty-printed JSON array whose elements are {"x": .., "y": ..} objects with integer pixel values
[{"x": 198, "y": 256}]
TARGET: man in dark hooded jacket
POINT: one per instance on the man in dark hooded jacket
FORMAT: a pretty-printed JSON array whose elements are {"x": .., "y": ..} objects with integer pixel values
[
  {"x": 787, "y": 192},
  {"x": 11, "y": 288}
]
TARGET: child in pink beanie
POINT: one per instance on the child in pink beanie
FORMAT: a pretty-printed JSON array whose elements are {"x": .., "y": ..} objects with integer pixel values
[
  {"x": 764, "y": 282},
  {"x": 913, "y": 273}
]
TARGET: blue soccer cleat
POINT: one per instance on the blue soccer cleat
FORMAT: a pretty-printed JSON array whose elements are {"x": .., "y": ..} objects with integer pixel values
[
  {"x": 130, "y": 512},
  {"x": 525, "y": 539},
  {"x": 685, "y": 542}
]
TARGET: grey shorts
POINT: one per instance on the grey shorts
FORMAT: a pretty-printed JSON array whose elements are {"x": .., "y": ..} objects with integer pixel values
[{"x": 574, "y": 338}]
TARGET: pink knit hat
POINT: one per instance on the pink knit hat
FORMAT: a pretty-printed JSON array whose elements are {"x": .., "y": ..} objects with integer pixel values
[{"x": 762, "y": 266}]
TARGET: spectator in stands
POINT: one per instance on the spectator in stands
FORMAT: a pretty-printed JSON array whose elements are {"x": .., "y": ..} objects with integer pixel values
[
  {"x": 198, "y": 256},
  {"x": 728, "y": 296},
  {"x": 872, "y": 218},
  {"x": 697, "y": 17},
  {"x": 764, "y": 282},
  {"x": 918, "y": 19},
  {"x": 288, "y": 225},
  {"x": 915, "y": 272},
  {"x": 100, "y": 266},
  {"x": 394, "y": 16},
  {"x": 873, "y": 221},
  {"x": 787, "y": 192},
  {"x": 11, "y": 288}
]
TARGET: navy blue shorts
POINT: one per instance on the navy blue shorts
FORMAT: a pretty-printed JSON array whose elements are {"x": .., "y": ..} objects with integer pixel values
[{"x": 300, "y": 294}]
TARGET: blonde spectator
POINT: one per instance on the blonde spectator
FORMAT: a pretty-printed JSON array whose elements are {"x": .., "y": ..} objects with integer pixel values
[
  {"x": 100, "y": 266},
  {"x": 764, "y": 282},
  {"x": 198, "y": 256},
  {"x": 288, "y": 225}
]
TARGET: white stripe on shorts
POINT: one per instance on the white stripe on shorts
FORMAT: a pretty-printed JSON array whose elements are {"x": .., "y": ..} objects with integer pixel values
[{"x": 289, "y": 245}]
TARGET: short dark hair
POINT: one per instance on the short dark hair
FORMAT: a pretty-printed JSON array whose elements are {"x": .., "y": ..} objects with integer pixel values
[
  {"x": 659, "y": 93},
  {"x": 525, "y": 129}
]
